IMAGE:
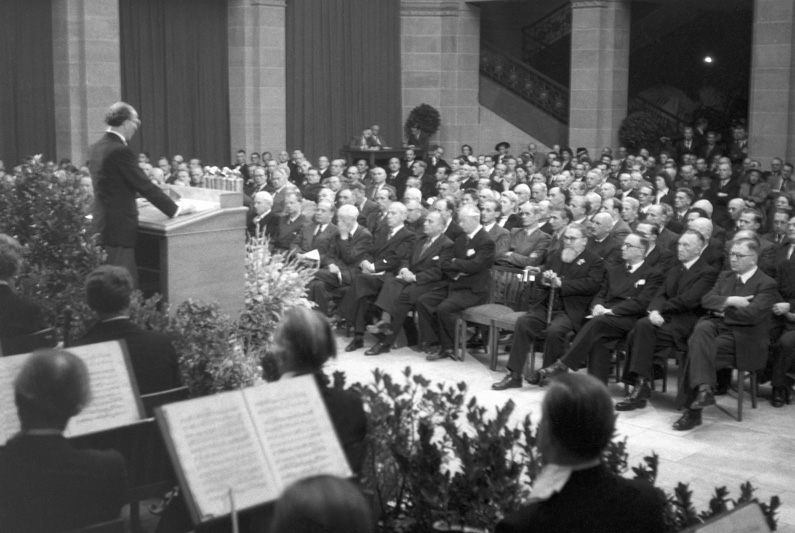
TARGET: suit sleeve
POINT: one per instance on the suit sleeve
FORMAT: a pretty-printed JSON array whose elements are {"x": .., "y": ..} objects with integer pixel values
[
  {"x": 482, "y": 259},
  {"x": 536, "y": 257},
  {"x": 353, "y": 251},
  {"x": 687, "y": 300},
  {"x": 128, "y": 168},
  {"x": 713, "y": 299},
  {"x": 764, "y": 298},
  {"x": 502, "y": 244},
  {"x": 391, "y": 261}
]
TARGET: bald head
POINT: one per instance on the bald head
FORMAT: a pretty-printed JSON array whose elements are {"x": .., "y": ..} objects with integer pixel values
[
  {"x": 703, "y": 226},
  {"x": 706, "y": 206}
]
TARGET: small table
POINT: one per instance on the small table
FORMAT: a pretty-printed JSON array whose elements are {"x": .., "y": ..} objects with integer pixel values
[{"x": 378, "y": 156}]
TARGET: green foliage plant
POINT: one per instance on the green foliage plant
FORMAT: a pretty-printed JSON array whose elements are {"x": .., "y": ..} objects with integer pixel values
[{"x": 640, "y": 130}]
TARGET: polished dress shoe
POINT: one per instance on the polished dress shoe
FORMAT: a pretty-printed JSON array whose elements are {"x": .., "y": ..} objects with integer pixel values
[
  {"x": 378, "y": 348},
  {"x": 781, "y": 396},
  {"x": 355, "y": 344},
  {"x": 380, "y": 328},
  {"x": 704, "y": 398},
  {"x": 637, "y": 398},
  {"x": 429, "y": 348},
  {"x": 442, "y": 354},
  {"x": 511, "y": 381},
  {"x": 689, "y": 420},
  {"x": 552, "y": 370}
]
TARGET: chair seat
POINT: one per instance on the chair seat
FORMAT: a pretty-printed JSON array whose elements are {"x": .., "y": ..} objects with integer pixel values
[
  {"x": 484, "y": 314},
  {"x": 508, "y": 321}
]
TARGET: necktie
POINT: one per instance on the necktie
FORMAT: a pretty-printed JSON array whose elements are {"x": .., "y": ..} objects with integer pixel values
[
  {"x": 317, "y": 230},
  {"x": 789, "y": 253},
  {"x": 426, "y": 246},
  {"x": 778, "y": 239}
]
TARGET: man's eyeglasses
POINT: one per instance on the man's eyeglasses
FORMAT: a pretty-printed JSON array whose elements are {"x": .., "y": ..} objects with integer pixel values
[
  {"x": 733, "y": 255},
  {"x": 627, "y": 245}
]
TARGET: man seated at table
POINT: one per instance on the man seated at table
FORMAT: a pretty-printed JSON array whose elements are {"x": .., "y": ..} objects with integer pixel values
[
  {"x": 46, "y": 485},
  {"x": 17, "y": 315},
  {"x": 153, "y": 357}
]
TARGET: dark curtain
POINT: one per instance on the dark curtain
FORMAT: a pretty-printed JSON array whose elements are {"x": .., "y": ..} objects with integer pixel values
[
  {"x": 27, "y": 96},
  {"x": 343, "y": 73},
  {"x": 174, "y": 71}
]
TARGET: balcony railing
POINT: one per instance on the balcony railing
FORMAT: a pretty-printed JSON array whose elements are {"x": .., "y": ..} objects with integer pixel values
[
  {"x": 528, "y": 83},
  {"x": 668, "y": 122},
  {"x": 545, "y": 31}
]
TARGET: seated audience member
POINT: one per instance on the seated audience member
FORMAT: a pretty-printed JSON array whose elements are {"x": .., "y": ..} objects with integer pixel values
[
  {"x": 663, "y": 259},
  {"x": 377, "y": 220},
  {"x": 736, "y": 331},
  {"x": 529, "y": 244},
  {"x": 46, "y": 485},
  {"x": 278, "y": 188},
  {"x": 501, "y": 236},
  {"x": 576, "y": 275},
  {"x": 446, "y": 208},
  {"x": 348, "y": 249},
  {"x": 658, "y": 215},
  {"x": 783, "y": 364},
  {"x": 290, "y": 223},
  {"x": 673, "y": 312},
  {"x": 778, "y": 235},
  {"x": 415, "y": 216},
  {"x": 18, "y": 316},
  {"x": 264, "y": 221},
  {"x": 391, "y": 246},
  {"x": 312, "y": 185},
  {"x": 509, "y": 219},
  {"x": 626, "y": 292},
  {"x": 365, "y": 206},
  {"x": 420, "y": 273},
  {"x": 322, "y": 504},
  {"x": 153, "y": 357},
  {"x": 468, "y": 270},
  {"x": 600, "y": 242},
  {"x": 318, "y": 235},
  {"x": 713, "y": 253},
  {"x": 575, "y": 491}
]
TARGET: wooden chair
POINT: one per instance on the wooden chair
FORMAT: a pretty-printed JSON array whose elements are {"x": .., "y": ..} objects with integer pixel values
[
  {"x": 149, "y": 470},
  {"x": 156, "y": 399},
  {"x": 112, "y": 526},
  {"x": 46, "y": 338},
  {"x": 741, "y": 375},
  {"x": 506, "y": 287}
]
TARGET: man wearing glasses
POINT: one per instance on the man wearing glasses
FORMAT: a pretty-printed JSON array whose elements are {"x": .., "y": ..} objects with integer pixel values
[
  {"x": 626, "y": 292},
  {"x": 735, "y": 333}
]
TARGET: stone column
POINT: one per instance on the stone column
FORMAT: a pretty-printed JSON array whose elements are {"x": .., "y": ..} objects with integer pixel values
[
  {"x": 599, "y": 72},
  {"x": 257, "y": 77},
  {"x": 772, "y": 94},
  {"x": 440, "y": 48},
  {"x": 87, "y": 76}
]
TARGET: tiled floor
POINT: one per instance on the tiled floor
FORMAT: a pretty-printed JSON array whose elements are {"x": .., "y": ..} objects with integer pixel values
[{"x": 721, "y": 452}]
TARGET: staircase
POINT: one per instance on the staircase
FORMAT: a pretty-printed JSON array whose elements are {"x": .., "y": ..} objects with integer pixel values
[{"x": 545, "y": 32}]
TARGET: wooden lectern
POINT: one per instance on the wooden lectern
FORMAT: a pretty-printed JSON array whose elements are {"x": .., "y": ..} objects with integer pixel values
[{"x": 199, "y": 256}]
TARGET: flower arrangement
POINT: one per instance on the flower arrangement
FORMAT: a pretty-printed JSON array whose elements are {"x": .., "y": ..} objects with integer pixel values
[{"x": 425, "y": 117}]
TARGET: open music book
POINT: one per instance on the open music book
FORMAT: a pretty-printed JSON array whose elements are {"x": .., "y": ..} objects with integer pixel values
[
  {"x": 256, "y": 441},
  {"x": 114, "y": 393}
]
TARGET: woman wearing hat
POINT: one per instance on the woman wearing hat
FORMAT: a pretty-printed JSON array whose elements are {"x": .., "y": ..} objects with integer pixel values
[{"x": 502, "y": 151}]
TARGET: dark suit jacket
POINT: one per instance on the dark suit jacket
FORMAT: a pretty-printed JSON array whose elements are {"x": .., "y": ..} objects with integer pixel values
[
  {"x": 48, "y": 486},
  {"x": 766, "y": 260},
  {"x": 398, "y": 182},
  {"x": 287, "y": 232},
  {"x": 154, "y": 360},
  {"x": 502, "y": 240},
  {"x": 428, "y": 185},
  {"x": 662, "y": 259},
  {"x": 667, "y": 240},
  {"x": 366, "y": 209},
  {"x": 749, "y": 325},
  {"x": 427, "y": 267},
  {"x": 580, "y": 281},
  {"x": 713, "y": 254},
  {"x": 620, "y": 230},
  {"x": 306, "y": 240},
  {"x": 609, "y": 250},
  {"x": 629, "y": 294},
  {"x": 17, "y": 315},
  {"x": 387, "y": 254},
  {"x": 593, "y": 501},
  {"x": 267, "y": 225},
  {"x": 709, "y": 152},
  {"x": 453, "y": 231},
  {"x": 469, "y": 267},
  {"x": 349, "y": 253},
  {"x": 117, "y": 179},
  {"x": 679, "y": 298}
]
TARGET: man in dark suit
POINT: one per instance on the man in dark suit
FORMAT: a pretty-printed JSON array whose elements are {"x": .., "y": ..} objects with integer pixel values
[
  {"x": 347, "y": 251},
  {"x": 318, "y": 235},
  {"x": 736, "y": 332},
  {"x": 627, "y": 290},
  {"x": 46, "y": 484},
  {"x": 576, "y": 492},
  {"x": 662, "y": 258},
  {"x": 468, "y": 270},
  {"x": 656, "y": 215},
  {"x": 711, "y": 149},
  {"x": 290, "y": 223},
  {"x": 576, "y": 275},
  {"x": 396, "y": 177},
  {"x": 18, "y": 316},
  {"x": 725, "y": 188},
  {"x": 489, "y": 215},
  {"x": 673, "y": 312},
  {"x": 420, "y": 273},
  {"x": 264, "y": 221},
  {"x": 782, "y": 365},
  {"x": 365, "y": 206},
  {"x": 154, "y": 360},
  {"x": 528, "y": 244},
  {"x": 378, "y": 182},
  {"x": 117, "y": 180},
  {"x": 446, "y": 208},
  {"x": 391, "y": 246},
  {"x": 612, "y": 207}
]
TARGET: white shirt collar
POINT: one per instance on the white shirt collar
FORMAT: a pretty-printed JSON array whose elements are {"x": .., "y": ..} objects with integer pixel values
[
  {"x": 488, "y": 228},
  {"x": 472, "y": 235},
  {"x": 117, "y": 134},
  {"x": 691, "y": 263},
  {"x": 745, "y": 277},
  {"x": 633, "y": 268}
]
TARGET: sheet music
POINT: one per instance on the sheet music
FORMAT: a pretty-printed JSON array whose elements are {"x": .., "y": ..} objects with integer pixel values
[
  {"x": 299, "y": 439},
  {"x": 218, "y": 448},
  {"x": 113, "y": 399},
  {"x": 9, "y": 369}
]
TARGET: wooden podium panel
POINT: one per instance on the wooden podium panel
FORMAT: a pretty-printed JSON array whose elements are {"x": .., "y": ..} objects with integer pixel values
[{"x": 199, "y": 256}]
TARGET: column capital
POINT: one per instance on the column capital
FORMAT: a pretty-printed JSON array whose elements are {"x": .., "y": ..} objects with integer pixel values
[{"x": 429, "y": 8}]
